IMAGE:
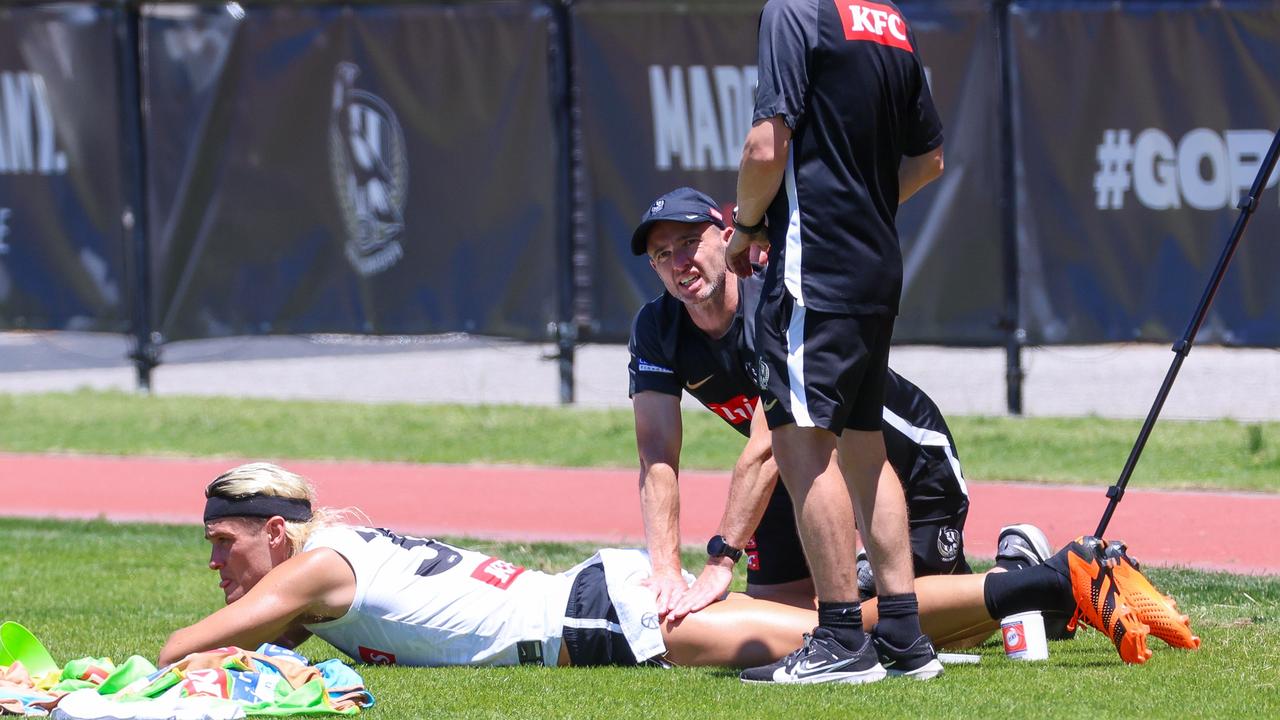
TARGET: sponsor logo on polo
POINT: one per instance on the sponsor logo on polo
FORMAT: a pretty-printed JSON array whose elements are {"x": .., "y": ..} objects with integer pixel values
[
  {"x": 646, "y": 366},
  {"x": 498, "y": 573},
  {"x": 736, "y": 410},
  {"x": 370, "y": 168},
  {"x": 868, "y": 21},
  {"x": 376, "y": 657}
]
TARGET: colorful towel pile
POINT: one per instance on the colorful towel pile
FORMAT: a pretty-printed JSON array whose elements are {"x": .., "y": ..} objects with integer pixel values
[{"x": 219, "y": 684}]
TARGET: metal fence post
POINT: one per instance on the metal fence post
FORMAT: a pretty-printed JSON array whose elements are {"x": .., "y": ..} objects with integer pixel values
[
  {"x": 145, "y": 352},
  {"x": 561, "y": 72},
  {"x": 1011, "y": 321}
]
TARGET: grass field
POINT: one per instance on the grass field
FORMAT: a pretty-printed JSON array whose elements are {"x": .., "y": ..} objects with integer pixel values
[
  {"x": 96, "y": 588},
  {"x": 1220, "y": 454}
]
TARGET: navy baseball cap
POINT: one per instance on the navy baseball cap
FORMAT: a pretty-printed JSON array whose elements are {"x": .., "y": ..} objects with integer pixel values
[{"x": 684, "y": 205}]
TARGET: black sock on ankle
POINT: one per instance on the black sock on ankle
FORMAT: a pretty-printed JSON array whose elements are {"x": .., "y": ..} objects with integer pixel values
[
  {"x": 1012, "y": 564},
  {"x": 1042, "y": 587},
  {"x": 899, "y": 622},
  {"x": 844, "y": 621}
]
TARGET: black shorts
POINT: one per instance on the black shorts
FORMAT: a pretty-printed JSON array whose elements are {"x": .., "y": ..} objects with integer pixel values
[
  {"x": 820, "y": 369},
  {"x": 775, "y": 554},
  {"x": 599, "y": 639},
  {"x": 937, "y": 547}
]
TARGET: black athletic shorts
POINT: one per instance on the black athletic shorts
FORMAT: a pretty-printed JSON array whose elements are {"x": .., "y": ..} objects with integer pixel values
[
  {"x": 775, "y": 555},
  {"x": 937, "y": 546},
  {"x": 820, "y": 369},
  {"x": 598, "y": 640}
]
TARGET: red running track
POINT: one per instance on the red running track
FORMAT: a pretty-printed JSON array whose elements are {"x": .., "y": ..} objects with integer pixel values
[{"x": 1214, "y": 531}]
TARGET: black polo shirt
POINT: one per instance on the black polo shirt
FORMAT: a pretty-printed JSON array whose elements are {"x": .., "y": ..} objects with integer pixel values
[
  {"x": 846, "y": 77},
  {"x": 671, "y": 355}
]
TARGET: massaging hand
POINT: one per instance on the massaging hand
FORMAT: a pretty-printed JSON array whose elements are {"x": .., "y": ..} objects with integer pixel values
[
  {"x": 670, "y": 587},
  {"x": 710, "y": 586}
]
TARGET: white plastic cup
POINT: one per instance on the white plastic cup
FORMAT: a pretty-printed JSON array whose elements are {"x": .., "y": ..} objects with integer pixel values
[{"x": 1024, "y": 636}]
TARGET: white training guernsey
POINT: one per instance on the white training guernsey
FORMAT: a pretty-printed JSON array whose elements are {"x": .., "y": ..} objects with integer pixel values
[{"x": 424, "y": 602}]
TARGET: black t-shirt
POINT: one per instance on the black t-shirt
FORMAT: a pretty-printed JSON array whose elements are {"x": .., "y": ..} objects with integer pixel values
[
  {"x": 670, "y": 354},
  {"x": 846, "y": 78}
]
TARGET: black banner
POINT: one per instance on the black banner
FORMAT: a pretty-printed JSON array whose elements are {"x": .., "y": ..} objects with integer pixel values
[
  {"x": 665, "y": 99},
  {"x": 381, "y": 170},
  {"x": 62, "y": 253},
  {"x": 1139, "y": 127}
]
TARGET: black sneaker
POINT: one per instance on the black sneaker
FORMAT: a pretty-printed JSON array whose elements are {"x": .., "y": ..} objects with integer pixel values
[
  {"x": 918, "y": 661},
  {"x": 866, "y": 577},
  {"x": 821, "y": 659}
]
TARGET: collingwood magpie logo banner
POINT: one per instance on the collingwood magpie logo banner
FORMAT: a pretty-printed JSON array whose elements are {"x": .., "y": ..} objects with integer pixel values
[{"x": 370, "y": 169}]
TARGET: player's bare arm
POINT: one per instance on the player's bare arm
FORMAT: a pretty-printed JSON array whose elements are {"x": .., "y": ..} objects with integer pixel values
[
  {"x": 316, "y": 584},
  {"x": 764, "y": 162},
  {"x": 916, "y": 172},
  {"x": 754, "y": 476},
  {"x": 658, "y": 440}
]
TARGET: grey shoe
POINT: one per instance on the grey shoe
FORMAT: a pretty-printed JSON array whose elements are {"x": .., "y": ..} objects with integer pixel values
[
  {"x": 866, "y": 577},
  {"x": 1022, "y": 545}
]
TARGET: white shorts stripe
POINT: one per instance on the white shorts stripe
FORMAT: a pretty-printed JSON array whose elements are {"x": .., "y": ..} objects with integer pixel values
[
  {"x": 795, "y": 368},
  {"x": 929, "y": 438},
  {"x": 794, "y": 247},
  {"x": 593, "y": 624}
]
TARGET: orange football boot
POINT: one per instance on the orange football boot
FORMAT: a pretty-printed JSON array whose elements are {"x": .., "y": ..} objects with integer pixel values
[
  {"x": 1155, "y": 609},
  {"x": 1099, "y": 602}
]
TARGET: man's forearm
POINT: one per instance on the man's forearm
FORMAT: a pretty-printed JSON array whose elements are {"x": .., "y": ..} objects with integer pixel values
[
  {"x": 749, "y": 491},
  {"x": 660, "y": 507},
  {"x": 764, "y": 163}
]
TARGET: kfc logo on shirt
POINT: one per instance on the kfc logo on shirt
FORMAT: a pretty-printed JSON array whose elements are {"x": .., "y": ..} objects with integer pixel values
[
  {"x": 871, "y": 21},
  {"x": 498, "y": 573},
  {"x": 376, "y": 657}
]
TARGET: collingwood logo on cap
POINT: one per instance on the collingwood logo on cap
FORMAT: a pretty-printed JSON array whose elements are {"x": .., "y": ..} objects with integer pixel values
[{"x": 370, "y": 169}]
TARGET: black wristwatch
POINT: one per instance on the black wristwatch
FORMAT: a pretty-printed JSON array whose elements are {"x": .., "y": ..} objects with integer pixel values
[
  {"x": 748, "y": 229},
  {"x": 717, "y": 547}
]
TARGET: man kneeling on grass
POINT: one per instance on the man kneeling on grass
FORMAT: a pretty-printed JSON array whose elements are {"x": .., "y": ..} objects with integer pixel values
[{"x": 289, "y": 570}]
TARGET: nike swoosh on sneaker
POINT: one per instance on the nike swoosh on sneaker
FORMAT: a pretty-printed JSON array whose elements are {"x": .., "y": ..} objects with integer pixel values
[
  {"x": 700, "y": 383},
  {"x": 806, "y": 669}
]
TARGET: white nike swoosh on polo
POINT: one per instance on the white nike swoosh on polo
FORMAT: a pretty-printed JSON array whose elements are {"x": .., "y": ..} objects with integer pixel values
[{"x": 769, "y": 405}]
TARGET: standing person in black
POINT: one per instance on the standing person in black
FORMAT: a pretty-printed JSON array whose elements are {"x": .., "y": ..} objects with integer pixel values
[
  {"x": 695, "y": 337},
  {"x": 844, "y": 130}
]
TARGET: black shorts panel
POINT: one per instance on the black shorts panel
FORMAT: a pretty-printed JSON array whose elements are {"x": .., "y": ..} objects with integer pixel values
[
  {"x": 937, "y": 548},
  {"x": 824, "y": 370},
  {"x": 774, "y": 553},
  {"x": 602, "y": 643}
]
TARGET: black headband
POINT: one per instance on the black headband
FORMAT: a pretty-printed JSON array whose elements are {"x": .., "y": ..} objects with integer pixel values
[{"x": 263, "y": 506}]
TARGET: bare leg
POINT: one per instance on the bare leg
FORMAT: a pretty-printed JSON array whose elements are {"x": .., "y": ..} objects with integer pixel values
[
  {"x": 881, "y": 509},
  {"x": 741, "y": 631},
  {"x": 797, "y": 593},
  {"x": 738, "y": 631},
  {"x": 824, "y": 512}
]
